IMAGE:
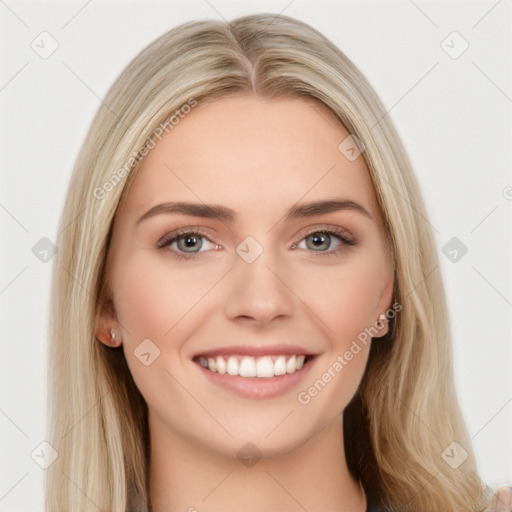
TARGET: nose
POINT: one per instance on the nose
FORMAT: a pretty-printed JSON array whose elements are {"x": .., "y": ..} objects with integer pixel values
[{"x": 258, "y": 293}]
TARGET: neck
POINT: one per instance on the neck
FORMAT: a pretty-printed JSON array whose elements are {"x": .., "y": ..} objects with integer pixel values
[{"x": 188, "y": 477}]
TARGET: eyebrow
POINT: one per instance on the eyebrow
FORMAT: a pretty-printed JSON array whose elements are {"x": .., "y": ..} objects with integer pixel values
[{"x": 222, "y": 213}]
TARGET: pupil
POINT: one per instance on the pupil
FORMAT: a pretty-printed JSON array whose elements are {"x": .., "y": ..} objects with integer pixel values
[
  {"x": 190, "y": 242},
  {"x": 320, "y": 241}
]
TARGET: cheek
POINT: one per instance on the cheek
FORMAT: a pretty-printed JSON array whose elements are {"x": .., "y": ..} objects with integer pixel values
[
  {"x": 345, "y": 297},
  {"x": 155, "y": 306},
  {"x": 158, "y": 309},
  {"x": 151, "y": 299},
  {"x": 346, "y": 304},
  {"x": 332, "y": 386}
]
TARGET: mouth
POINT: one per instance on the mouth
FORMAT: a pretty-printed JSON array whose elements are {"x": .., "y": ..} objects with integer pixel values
[
  {"x": 258, "y": 372},
  {"x": 267, "y": 366}
]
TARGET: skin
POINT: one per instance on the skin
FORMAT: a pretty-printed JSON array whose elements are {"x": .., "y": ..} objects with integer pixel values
[{"x": 259, "y": 158}]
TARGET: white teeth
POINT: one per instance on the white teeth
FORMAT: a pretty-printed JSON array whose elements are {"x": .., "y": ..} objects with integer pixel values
[
  {"x": 265, "y": 367},
  {"x": 290, "y": 365},
  {"x": 221, "y": 364},
  {"x": 280, "y": 366},
  {"x": 247, "y": 366},
  {"x": 232, "y": 368}
]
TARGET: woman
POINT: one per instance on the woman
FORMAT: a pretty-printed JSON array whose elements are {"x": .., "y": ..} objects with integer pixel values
[{"x": 245, "y": 315}]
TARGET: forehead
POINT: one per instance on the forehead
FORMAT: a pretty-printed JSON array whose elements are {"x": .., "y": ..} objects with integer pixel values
[{"x": 252, "y": 153}]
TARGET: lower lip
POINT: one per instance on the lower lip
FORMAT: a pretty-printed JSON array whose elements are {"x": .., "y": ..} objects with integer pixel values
[{"x": 257, "y": 387}]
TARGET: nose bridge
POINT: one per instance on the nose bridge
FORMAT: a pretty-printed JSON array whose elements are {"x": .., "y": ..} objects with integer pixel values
[{"x": 256, "y": 289}]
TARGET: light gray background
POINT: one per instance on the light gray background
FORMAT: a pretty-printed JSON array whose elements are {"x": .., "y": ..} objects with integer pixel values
[{"x": 453, "y": 114}]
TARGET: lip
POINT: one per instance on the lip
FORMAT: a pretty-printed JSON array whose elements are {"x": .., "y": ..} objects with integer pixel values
[
  {"x": 257, "y": 387},
  {"x": 256, "y": 351}
]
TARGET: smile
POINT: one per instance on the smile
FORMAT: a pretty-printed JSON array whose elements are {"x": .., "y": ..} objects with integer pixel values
[
  {"x": 256, "y": 371},
  {"x": 249, "y": 367}
]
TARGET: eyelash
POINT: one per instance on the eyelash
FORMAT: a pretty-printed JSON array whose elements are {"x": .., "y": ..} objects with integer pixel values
[
  {"x": 342, "y": 235},
  {"x": 169, "y": 238}
]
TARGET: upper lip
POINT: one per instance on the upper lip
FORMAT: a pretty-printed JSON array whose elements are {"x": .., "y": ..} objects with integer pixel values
[{"x": 256, "y": 351}]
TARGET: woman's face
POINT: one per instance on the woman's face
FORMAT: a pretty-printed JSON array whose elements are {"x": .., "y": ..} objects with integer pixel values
[{"x": 249, "y": 243}]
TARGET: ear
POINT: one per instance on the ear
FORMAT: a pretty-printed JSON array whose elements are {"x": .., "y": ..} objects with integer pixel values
[
  {"x": 107, "y": 327},
  {"x": 383, "y": 307}
]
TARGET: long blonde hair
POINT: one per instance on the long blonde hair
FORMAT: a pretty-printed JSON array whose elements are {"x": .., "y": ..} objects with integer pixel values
[{"x": 405, "y": 415}]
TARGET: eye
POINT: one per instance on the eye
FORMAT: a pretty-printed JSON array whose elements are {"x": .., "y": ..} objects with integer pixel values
[
  {"x": 190, "y": 242},
  {"x": 186, "y": 243},
  {"x": 324, "y": 241}
]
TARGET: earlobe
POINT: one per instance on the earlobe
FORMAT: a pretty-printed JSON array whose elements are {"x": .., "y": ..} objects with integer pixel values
[
  {"x": 115, "y": 339},
  {"x": 109, "y": 337},
  {"x": 382, "y": 326},
  {"x": 107, "y": 331}
]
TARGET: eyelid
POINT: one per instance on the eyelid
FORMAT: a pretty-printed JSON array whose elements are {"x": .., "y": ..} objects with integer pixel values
[
  {"x": 345, "y": 241},
  {"x": 343, "y": 233},
  {"x": 345, "y": 237},
  {"x": 171, "y": 236}
]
